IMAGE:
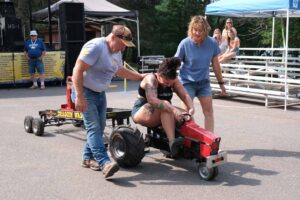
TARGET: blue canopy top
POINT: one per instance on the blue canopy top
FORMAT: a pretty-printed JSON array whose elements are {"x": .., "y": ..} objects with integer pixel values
[{"x": 254, "y": 8}]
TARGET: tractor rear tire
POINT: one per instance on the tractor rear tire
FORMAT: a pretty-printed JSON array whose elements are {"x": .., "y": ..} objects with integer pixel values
[
  {"x": 126, "y": 146},
  {"x": 38, "y": 126},
  {"x": 28, "y": 124}
]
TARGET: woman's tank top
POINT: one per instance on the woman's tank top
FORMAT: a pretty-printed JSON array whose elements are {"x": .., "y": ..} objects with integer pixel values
[{"x": 163, "y": 93}]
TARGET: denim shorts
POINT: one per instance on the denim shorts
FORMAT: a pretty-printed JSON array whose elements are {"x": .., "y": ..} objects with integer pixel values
[
  {"x": 198, "y": 88},
  {"x": 137, "y": 105},
  {"x": 36, "y": 64},
  {"x": 237, "y": 51}
]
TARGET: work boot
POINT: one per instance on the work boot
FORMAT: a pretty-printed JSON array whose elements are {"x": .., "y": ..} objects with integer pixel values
[
  {"x": 92, "y": 164},
  {"x": 85, "y": 163},
  {"x": 175, "y": 145},
  {"x": 109, "y": 169}
]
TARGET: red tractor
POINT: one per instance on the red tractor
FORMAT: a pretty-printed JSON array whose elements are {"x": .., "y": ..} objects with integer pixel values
[{"x": 127, "y": 145}]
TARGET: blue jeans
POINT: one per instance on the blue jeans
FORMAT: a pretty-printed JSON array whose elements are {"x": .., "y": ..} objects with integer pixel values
[{"x": 94, "y": 120}]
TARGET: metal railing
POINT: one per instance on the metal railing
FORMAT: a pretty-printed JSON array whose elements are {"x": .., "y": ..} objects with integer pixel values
[{"x": 270, "y": 76}]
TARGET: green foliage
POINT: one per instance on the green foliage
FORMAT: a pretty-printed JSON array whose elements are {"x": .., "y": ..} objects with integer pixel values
[
  {"x": 163, "y": 24},
  {"x": 280, "y": 31},
  {"x": 172, "y": 18}
]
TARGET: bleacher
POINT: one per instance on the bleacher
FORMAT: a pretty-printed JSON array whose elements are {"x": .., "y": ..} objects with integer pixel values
[{"x": 270, "y": 76}]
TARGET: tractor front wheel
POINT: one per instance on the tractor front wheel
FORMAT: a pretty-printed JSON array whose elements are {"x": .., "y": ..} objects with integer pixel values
[{"x": 206, "y": 173}]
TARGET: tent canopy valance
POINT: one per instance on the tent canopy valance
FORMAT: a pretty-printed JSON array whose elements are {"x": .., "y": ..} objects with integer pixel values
[
  {"x": 254, "y": 8},
  {"x": 99, "y": 8}
]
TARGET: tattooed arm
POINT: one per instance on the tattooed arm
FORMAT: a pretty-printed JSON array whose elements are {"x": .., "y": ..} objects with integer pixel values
[{"x": 150, "y": 85}]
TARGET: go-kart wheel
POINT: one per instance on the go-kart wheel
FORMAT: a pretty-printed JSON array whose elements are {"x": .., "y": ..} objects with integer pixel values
[
  {"x": 38, "y": 126},
  {"x": 126, "y": 146},
  {"x": 77, "y": 123},
  {"x": 206, "y": 173},
  {"x": 28, "y": 124}
]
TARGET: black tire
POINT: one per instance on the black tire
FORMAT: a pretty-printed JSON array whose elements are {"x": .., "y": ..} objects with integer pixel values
[
  {"x": 28, "y": 124},
  {"x": 38, "y": 126},
  {"x": 206, "y": 173},
  {"x": 126, "y": 146},
  {"x": 77, "y": 123}
]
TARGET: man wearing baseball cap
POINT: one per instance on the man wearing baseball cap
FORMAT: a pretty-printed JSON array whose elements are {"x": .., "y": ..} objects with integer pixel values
[
  {"x": 34, "y": 51},
  {"x": 99, "y": 60}
]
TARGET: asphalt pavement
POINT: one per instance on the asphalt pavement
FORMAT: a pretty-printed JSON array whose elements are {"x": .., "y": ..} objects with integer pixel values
[{"x": 263, "y": 146}]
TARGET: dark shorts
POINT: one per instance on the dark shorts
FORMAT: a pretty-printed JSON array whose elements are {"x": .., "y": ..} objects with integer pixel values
[
  {"x": 36, "y": 64},
  {"x": 137, "y": 105}
]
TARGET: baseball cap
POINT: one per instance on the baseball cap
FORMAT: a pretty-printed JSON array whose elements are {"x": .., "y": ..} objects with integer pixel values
[
  {"x": 33, "y": 32},
  {"x": 124, "y": 34}
]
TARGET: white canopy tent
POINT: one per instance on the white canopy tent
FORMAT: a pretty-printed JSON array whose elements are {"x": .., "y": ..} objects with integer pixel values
[
  {"x": 102, "y": 9},
  {"x": 258, "y": 9}
]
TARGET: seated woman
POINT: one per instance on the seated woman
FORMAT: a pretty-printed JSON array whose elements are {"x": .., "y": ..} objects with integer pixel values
[
  {"x": 153, "y": 106},
  {"x": 219, "y": 39},
  {"x": 233, "y": 46}
]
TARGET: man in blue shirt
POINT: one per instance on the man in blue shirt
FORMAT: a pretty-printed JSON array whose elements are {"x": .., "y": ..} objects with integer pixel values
[
  {"x": 99, "y": 60},
  {"x": 34, "y": 51}
]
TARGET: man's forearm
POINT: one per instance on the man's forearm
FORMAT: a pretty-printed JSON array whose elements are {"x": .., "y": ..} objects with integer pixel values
[
  {"x": 125, "y": 73},
  {"x": 77, "y": 80}
]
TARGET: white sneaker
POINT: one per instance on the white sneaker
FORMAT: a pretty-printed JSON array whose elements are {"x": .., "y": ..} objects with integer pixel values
[
  {"x": 33, "y": 87},
  {"x": 42, "y": 87}
]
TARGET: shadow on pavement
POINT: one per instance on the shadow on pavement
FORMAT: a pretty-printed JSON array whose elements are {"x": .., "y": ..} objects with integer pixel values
[
  {"x": 250, "y": 153},
  {"x": 162, "y": 173}
]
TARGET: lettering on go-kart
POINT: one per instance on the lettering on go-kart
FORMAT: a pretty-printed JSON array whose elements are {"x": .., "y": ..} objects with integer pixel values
[
  {"x": 69, "y": 114},
  {"x": 65, "y": 114},
  {"x": 77, "y": 115}
]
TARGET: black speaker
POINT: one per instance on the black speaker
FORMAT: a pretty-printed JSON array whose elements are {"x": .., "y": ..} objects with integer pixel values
[
  {"x": 7, "y": 9},
  {"x": 71, "y": 18},
  {"x": 71, "y": 21},
  {"x": 12, "y": 34},
  {"x": 72, "y": 52}
]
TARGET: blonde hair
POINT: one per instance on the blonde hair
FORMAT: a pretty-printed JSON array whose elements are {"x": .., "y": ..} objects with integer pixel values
[
  {"x": 217, "y": 30},
  {"x": 228, "y": 20},
  {"x": 198, "y": 20},
  {"x": 232, "y": 34}
]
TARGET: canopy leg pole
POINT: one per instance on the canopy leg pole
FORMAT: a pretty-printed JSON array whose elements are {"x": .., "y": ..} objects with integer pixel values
[
  {"x": 286, "y": 58},
  {"x": 138, "y": 36},
  {"x": 273, "y": 32}
]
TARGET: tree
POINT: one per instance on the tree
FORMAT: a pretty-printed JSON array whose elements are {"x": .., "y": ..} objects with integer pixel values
[{"x": 172, "y": 17}]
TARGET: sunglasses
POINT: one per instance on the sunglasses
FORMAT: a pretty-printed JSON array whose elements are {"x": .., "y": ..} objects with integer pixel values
[{"x": 228, "y": 22}]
